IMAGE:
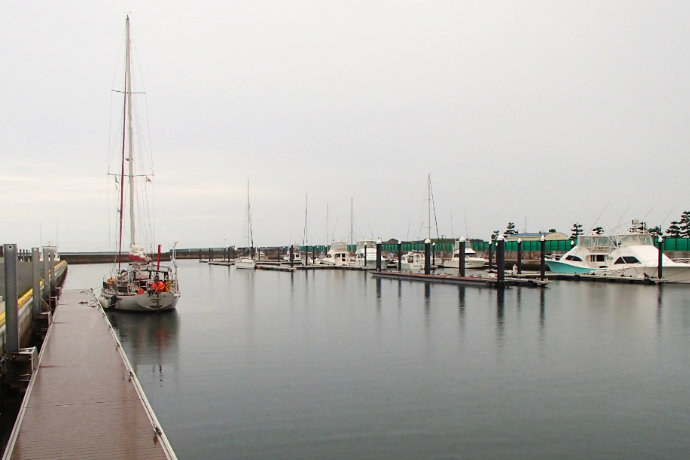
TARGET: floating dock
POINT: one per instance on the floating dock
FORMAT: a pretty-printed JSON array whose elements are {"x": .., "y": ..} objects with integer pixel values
[
  {"x": 481, "y": 281},
  {"x": 85, "y": 401}
]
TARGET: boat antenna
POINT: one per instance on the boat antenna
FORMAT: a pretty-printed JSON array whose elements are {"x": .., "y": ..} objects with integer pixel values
[
  {"x": 332, "y": 234},
  {"x": 249, "y": 225},
  {"x": 433, "y": 203},
  {"x": 648, "y": 212},
  {"x": 620, "y": 219},
  {"x": 467, "y": 232},
  {"x": 663, "y": 222},
  {"x": 599, "y": 216},
  {"x": 306, "y": 206}
]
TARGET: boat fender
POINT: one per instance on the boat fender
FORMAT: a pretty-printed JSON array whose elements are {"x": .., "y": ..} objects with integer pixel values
[{"x": 140, "y": 291}]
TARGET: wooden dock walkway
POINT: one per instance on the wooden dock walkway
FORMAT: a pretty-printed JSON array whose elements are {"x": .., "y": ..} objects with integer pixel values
[{"x": 85, "y": 401}]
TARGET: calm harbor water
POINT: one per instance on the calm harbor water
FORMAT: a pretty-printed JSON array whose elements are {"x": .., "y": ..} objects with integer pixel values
[{"x": 331, "y": 364}]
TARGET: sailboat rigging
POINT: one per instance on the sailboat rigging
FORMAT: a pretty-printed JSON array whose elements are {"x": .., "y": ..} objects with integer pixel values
[
  {"x": 248, "y": 262},
  {"x": 142, "y": 285}
]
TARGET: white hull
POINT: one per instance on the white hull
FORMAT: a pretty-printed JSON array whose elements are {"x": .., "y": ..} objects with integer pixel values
[
  {"x": 673, "y": 273},
  {"x": 163, "y": 301},
  {"x": 245, "y": 264},
  {"x": 470, "y": 262},
  {"x": 412, "y": 262},
  {"x": 411, "y": 267},
  {"x": 370, "y": 263}
]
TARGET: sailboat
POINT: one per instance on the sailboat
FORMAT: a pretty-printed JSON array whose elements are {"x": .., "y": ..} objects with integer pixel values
[
  {"x": 141, "y": 285},
  {"x": 414, "y": 261},
  {"x": 248, "y": 262}
]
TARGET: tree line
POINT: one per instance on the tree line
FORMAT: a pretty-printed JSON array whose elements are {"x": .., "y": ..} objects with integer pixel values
[{"x": 677, "y": 228}]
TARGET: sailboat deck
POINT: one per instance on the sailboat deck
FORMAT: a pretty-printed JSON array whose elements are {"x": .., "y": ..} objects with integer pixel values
[{"x": 84, "y": 400}]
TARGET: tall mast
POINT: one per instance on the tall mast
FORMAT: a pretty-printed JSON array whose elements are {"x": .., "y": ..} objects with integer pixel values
[
  {"x": 250, "y": 237},
  {"x": 128, "y": 93},
  {"x": 428, "y": 197},
  {"x": 352, "y": 233},
  {"x": 122, "y": 172},
  {"x": 306, "y": 209},
  {"x": 327, "y": 228}
]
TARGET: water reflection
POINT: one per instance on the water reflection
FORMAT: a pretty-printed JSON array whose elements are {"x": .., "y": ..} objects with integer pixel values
[
  {"x": 542, "y": 308},
  {"x": 378, "y": 293},
  {"x": 659, "y": 306},
  {"x": 149, "y": 339},
  {"x": 461, "y": 304},
  {"x": 427, "y": 304},
  {"x": 500, "y": 313}
]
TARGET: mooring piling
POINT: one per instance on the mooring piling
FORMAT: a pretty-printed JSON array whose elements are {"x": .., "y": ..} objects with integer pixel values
[
  {"x": 491, "y": 255},
  {"x": 661, "y": 253},
  {"x": 500, "y": 259},
  {"x": 378, "y": 255},
  {"x": 542, "y": 257},
  {"x": 11, "y": 300}
]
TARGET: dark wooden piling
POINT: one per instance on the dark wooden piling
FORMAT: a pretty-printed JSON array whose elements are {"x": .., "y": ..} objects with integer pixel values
[
  {"x": 378, "y": 256},
  {"x": 491, "y": 255},
  {"x": 660, "y": 270},
  {"x": 500, "y": 259},
  {"x": 542, "y": 257}
]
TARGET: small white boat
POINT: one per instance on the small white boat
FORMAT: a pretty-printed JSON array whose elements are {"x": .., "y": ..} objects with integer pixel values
[
  {"x": 337, "y": 255},
  {"x": 589, "y": 255},
  {"x": 365, "y": 255},
  {"x": 412, "y": 261},
  {"x": 246, "y": 263},
  {"x": 472, "y": 259},
  {"x": 296, "y": 255}
]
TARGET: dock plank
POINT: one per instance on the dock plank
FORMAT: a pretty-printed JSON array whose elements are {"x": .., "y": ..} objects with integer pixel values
[{"x": 84, "y": 401}]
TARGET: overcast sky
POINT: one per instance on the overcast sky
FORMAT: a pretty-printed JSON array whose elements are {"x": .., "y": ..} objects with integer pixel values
[{"x": 541, "y": 113}]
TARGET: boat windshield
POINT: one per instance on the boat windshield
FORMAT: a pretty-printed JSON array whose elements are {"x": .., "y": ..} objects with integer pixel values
[
  {"x": 635, "y": 239},
  {"x": 595, "y": 242}
]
